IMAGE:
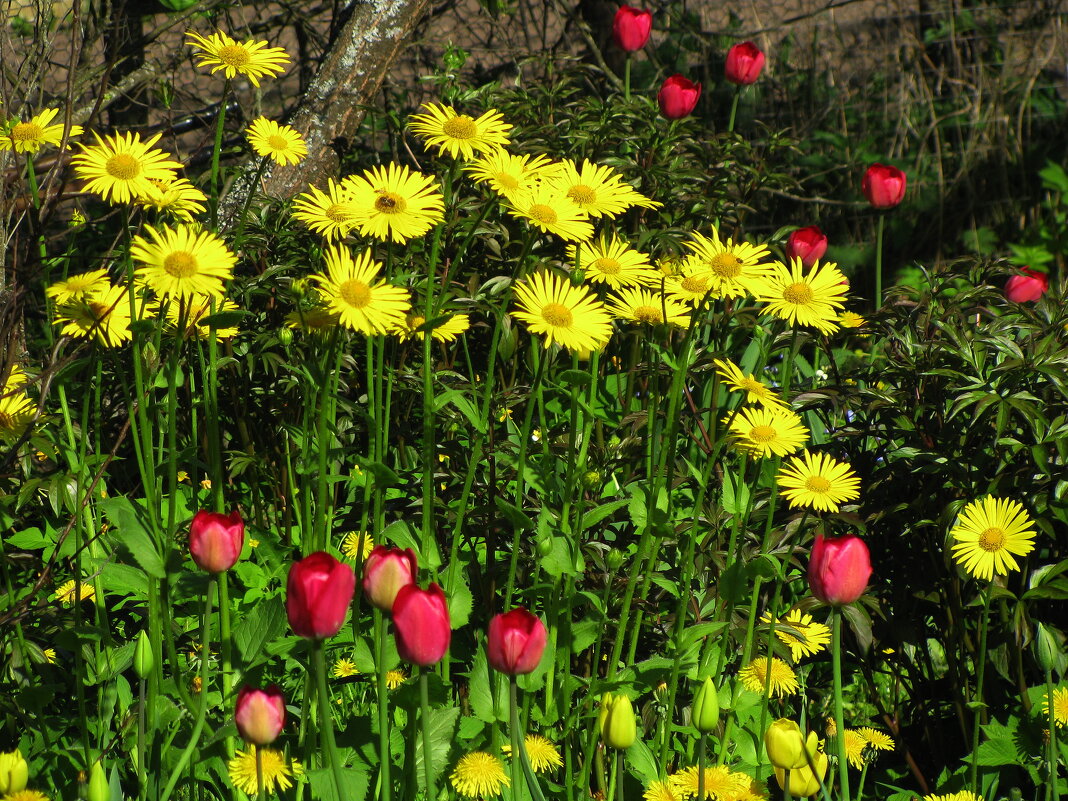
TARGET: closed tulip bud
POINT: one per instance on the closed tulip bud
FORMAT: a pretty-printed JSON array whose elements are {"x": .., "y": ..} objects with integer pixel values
[
  {"x": 318, "y": 592},
  {"x": 678, "y": 97},
  {"x": 1027, "y": 287},
  {"x": 144, "y": 660},
  {"x": 787, "y": 747},
  {"x": 883, "y": 186},
  {"x": 98, "y": 784},
  {"x": 744, "y": 63},
  {"x": 705, "y": 712},
  {"x": 807, "y": 244},
  {"x": 260, "y": 714},
  {"x": 631, "y": 28},
  {"x": 14, "y": 772},
  {"x": 619, "y": 727},
  {"x": 516, "y": 642},
  {"x": 215, "y": 540},
  {"x": 803, "y": 781},
  {"x": 421, "y": 619},
  {"x": 839, "y": 569},
  {"x": 385, "y": 571}
]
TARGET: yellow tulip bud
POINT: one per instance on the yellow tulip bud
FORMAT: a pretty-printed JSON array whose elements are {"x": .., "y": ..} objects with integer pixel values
[
  {"x": 14, "y": 772},
  {"x": 787, "y": 746},
  {"x": 803, "y": 782},
  {"x": 619, "y": 728},
  {"x": 98, "y": 784},
  {"x": 705, "y": 712}
]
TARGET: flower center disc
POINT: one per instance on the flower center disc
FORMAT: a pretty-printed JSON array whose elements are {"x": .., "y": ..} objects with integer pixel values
[
  {"x": 390, "y": 203},
  {"x": 26, "y": 132},
  {"x": 992, "y": 539},
  {"x": 460, "y": 127},
  {"x": 337, "y": 212},
  {"x": 234, "y": 55},
  {"x": 7, "y": 421},
  {"x": 557, "y": 314},
  {"x": 543, "y": 214},
  {"x": 278, "y": 142},
  {"x": 726, "y": 265},
  {"x": 817, "y": 484},
  {"x": 355, "y": 293},
  {"x": 800, "y": 294},
  {"x": 695, "y": 284},
  {"x": 647, "y": 314},
  {"x": 180, "y": 264},
  {"x": 507, "y": 181},
  {"x": 582, "y": 194},
  {"x": 123, "y": 166},
  {"x": 607, "y": 266},
  {"x": 98, "y": 310},
  {"x": 762, "y": 434},
  {"x": 752, "y": 385}
]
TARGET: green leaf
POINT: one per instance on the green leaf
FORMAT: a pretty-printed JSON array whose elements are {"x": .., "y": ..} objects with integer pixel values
[
  {"x": 458, "y": 399},
  {"x": 460, "y": 604},
  {"x": 442, "y": 735},
  {"x": 998, "y": 752},
  {"x": 735, "y": 495},
  {"x": 599, "y": 513},
  {"x": 27, "y": 539},
  {"x": 516, "y": 516},
  {"x": 642, "y": 762},
  {"x": 353, "y": 784},
  {"x": 254, "y": 630},
  {"x": 479, "y": 692},
  {"x": 575, "y": 378},
  {"x": 132, "y": 535}
]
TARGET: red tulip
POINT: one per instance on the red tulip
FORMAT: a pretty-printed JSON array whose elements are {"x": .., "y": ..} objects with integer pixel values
[
  {"x": 839, "y": 569},
  {"x": 385, "y": 571},
  {"x": 744, "y": 63},
  {"x": 516, "y": 642},
  {"x": 260, "y": 714},
  {"x": 678, "y": 97},
  {"x": 883, "y": 186},
  {"x": 318, "y": 594},
  {"x": 631, "y": 28},
  {"x": 808, "y": 244},
  {"x": 421, "y": 619},
  {"x": 215, "y": 540},
  {"x": 1027, "y": 287}
]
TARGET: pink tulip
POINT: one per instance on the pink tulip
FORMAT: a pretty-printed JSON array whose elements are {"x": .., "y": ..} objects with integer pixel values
[
  {"x": 678, "y": 97},
  {"x": 808, "y": 244},
  {"x": 421, "y": 620},
  {"x": 385, "y": 571},
  {"x": 884, "y": 186},
  {"x": 631, "y": 28},
  {"x": 1027, "y": 287},
  {"x": 260, "y": 714},
  {"x": 318, "y": 592},
  {"x": 839, "y": 569},
  {"x": 516, "y": 642},
  {"x": 744, "y": 63},
  {"x": 215, "y": 540}
]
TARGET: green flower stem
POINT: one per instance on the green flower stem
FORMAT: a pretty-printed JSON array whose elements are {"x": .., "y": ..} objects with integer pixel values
[
  {"x": 839, "y": 716},
  {"x": 626, "y": 79},
  {"x": 734, "y": 109},
  {"x": 879, "y": 261},
  {"x": 142, "y": 752},
  {"x": 1052, "y": 791},
  {"x": 519, "y": 747},
  {"x": 424, "y": 718},
  {"x": 239, "y": 236},
  {"x": 428, "y": 448},
  {"x": 261, "y": 792},
  {"x": 701, "y": 759},
  {"x": 384, "y": 751},
  {"x": 225, "y": 649},
  {"x": 202, "y": 708},
  {"x": 220, "y": 125},
  {"x": 860, "y": 784},
  {"x": 786, "y": 785},
  {"x": 977, "y": 701},
  {"x": 326, "y": 716},
  {"x": 327, "y": 410},
  {"x": 614, "y": 778}
]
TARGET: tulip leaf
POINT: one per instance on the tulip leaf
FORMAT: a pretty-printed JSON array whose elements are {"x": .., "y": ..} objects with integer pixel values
[{"x": 442, "y": 735}]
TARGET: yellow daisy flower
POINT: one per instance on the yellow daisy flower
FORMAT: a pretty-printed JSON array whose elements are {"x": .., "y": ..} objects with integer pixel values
[
  {"x": 446, "y": 331},
  {"x": 76, "y": 287},
  {"x": 344, "y": 669},
  {"x": 610, "y": 261},
  {"x": 693, "y": 283},
  {"x": 730, "y": 264},
  {"x": 393, "y": 202},
  {"x": 800, "y": 633},
  {"x": 811, "y": 299},
  {"x": 551, "y": 211},
  {"x": 105, "y": 316},
  {"x": 50, "y": 655},
  {"x": 193, "y": 309},
  {"x": 459, "y": 134},
  {"x": 783, "y": 679},
  {"x": 989, "y": 532},
  {"x": 660, "y": 791},
  {"x": 479, "y": 775},
  {"x": 16, "y": 377},
  {"x": 568, "y": 315},
  {"x": 1060, "y": 706},
  {"x": 395, "y": 678},
  {"x": 251, "y": 58},
  {"x": 641, "y": 305},
  {"x": 766, "y": 432},
  {"x": 121, "y": 167},
  {"x": 281, "y": 143},
  {"x": 349, "y": 290},
  {"x": 597, "y": 190},
  {"x": 35, "y": 133},
  {"x": 357, "y": 544},
  {"x": 16, "y": 415},
  {"x": 756, "y": 391},
  {"x": 177, "y": 197},
  {"x": 183, "y": 261},
  {"x": 818, "y": 481},
  {"x": 331, "y": 214},
  {"x": 848, "y": 319},
  {"x": 721, "y": 783},
  {"x": 276, "y": 770},
  {"x": 510, "y": 175},
  {"x": 317, "y": 320},
  {"x": 65, "y": 592}
]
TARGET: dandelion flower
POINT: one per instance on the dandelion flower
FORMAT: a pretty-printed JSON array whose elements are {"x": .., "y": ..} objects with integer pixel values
[
  {"x": 26, "y": 795},
  {"x": 721, "y": 783},
  {"x": 811, "y": 299},
  {"x": 541, "y": 752},
  {"x": 276, "y": 770},
  {"x": 446, "y": 331},
  {"x": 610, "y": 261},
  {"x": 848, "y": 319},
  {"x": 988, "y": 533},
  {"x": 479, "y": 775},
  {"x": 783, "y": 679},
  {"x": 193, "y": 310},
  {"x": 756, "y": 391},
  {"x": 551, "y": 211},
  {"x": 568, "y": 315},
  {"x": 854, "y": 748},
  {"x": 177, "y": 197},
  {"x": 121, "y": 168},
  {"x": 1060, "y": 706},
  {"x": 766, "y": 432},
  {"x": 394, "y": 202},
  {"x": 183, "y": 261},
  {"x": 76, "y": 287},
  {"x": 35, "y": 133},
  {"x": 818, "y": 481},
  {"x": 642, "y": 305},
  {"x": 395, "y": 678},
  {"x": 362, "y": 304},
  {"x": 251, "y": 58},
  {"x": 344, "y": 669},
  {"x": 50, "y": 655},
  {"x": 332, "y": 214},
  {"x": 876, "y": 739},
  {"x": 281, "y": 143},
  {"x": 459, "y": 134},
  {"x": 510, "y": 175},
  {"x": 65, "y": 592},
  {"x": 104, "y": 315},
  {"x": 16, "y": 414},
  {"x": 730, "y": 264},
  {"x": 800, "y": 633},
  {"x": 357, "y": 544},
  {"x": 660, "y": 791},
  {"x": 596, "y": 189},
  {"x": 963, "y": 795}
]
